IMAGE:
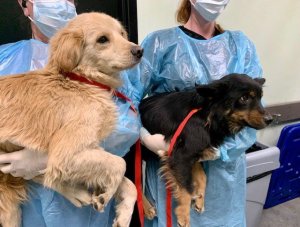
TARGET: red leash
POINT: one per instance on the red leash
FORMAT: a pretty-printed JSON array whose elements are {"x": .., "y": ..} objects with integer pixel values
[
  {"x": 173, "y": 141},
  {"x": 138, "y": 180}
]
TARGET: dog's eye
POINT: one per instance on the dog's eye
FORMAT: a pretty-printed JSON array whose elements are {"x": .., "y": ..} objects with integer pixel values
[
  {"x": 102, "y": 39},
  {"x": 244, "y": 99}
]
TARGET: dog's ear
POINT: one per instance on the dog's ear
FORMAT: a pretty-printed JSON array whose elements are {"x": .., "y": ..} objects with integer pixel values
[
  {"x": 212, "y": 90},
  {"x": 66, "y": 49},
  {"x": 261, "y": 81}
]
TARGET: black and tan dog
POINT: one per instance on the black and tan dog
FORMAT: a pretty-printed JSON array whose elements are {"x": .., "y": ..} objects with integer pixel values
[{"x": 226, "y": 106}]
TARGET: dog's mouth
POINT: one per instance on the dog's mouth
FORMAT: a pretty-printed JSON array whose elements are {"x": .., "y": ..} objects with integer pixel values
[
  {"x": 255, "y": 125},
  {"x": 235, "y": 126},
  {"x": 126, "y": 65}
]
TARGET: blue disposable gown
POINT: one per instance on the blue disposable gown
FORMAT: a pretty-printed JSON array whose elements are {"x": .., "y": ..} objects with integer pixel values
[
  {"x": 46, "y": 207},
  {"x": 174, "y": 61}
]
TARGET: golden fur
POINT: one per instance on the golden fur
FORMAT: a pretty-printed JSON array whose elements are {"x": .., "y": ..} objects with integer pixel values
[{"x": 44, "y": 111}]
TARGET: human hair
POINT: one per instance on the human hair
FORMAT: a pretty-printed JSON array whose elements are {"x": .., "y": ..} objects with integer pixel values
[{"x": 183, "y": 12}]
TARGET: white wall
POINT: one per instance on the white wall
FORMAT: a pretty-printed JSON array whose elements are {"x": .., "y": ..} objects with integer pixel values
[
  {"x": 273, "y": 25},
  {"x": 154, "y": 15}
]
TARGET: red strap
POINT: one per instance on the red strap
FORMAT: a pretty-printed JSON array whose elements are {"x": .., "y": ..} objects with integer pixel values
[
  {"x": 173, "y": 141},
  {"x": 179, "y": 130},
  {"x": 122, "y": 96},
  {"x": 80, "y": 78},
  {"x": 138, "y": 180},
  {"x": 169, "y": 207}
]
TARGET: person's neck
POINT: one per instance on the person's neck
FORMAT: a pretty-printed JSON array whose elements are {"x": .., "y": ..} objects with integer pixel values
[
  {"x": 36, "y": 34},
  {"x": 197, "y": 24}
]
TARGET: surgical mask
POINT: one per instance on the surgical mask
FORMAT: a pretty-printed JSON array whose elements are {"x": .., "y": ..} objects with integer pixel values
[
  {"x": 51, "y": 15},
  {"x": 209, "y": 9}
]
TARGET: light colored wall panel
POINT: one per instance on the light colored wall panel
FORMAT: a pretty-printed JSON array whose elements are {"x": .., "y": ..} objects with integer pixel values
[{"x": 274, "y": 27}]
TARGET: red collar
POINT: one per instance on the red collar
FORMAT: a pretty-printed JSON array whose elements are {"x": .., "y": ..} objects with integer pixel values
[{"x": 80, "y": 78}]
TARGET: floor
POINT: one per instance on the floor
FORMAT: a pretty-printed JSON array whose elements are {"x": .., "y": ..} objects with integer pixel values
[{"x": 283, "y": 215}]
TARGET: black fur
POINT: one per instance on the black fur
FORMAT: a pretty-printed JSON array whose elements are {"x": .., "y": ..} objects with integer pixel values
[{"x": 219, "y": 101}]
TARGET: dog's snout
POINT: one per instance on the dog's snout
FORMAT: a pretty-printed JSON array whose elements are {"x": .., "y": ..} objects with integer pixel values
[
  {"x": 137, "y": 51},
  {"x": 268, "y": 118}
]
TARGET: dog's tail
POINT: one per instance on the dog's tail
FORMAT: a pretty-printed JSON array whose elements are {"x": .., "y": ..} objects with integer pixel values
[
  {"x": 12, "y": 194},
  {"x": 168, "y": 175}
]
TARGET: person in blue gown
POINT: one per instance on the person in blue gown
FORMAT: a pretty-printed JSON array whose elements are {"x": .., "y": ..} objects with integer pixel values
[
  {"x": 175, "y": 59},
  {"x": 46, "y": 207}
]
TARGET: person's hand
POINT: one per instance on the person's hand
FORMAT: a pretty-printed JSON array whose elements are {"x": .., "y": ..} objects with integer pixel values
[
  {"x": 155, "y": 143},
  {"x": 24, "y": 163}
]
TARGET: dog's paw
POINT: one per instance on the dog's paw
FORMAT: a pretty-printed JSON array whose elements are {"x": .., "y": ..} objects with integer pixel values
[
  {"x": 161, "y": 153},
  {"x": 183, "y": 222},
  {"x": 211, "y": 153},
  {"x": 99, "y": 202},
  {"x": 198, "y": 204},
  {"x": 150, "y": 212},
  {"x": 79, "y": 197},
  {"x": 122, "y": 222},
  {"x": 183, "y": 216},
  {"x": 82, "y": 198}
]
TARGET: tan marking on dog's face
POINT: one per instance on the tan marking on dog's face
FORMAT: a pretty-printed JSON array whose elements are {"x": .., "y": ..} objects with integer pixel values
[
  {"x": 253, "y": 118},
  {"x": 252, "y": 94}
]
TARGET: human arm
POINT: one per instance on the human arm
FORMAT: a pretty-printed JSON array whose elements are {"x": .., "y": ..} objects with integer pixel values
[{"x": 155, "y": 143}]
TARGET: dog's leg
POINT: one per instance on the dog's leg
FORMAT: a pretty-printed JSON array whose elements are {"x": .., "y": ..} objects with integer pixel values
[
  {"x": 76, "y": 194},
  {"x": 199, "y": 181},
  {"x": 94, "y": 168},
  {"x": 210, "y": 153},
  {"x": 182, "y": 210},
  {"x": 181, "y": 194},
  {"x": 125, "y": 199},
  {"x": 149, "y": 210}
]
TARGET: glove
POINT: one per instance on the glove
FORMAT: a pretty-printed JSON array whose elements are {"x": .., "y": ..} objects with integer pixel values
[
  {"x": 24, "y": 163},
  {"x": 155, "y": 143}
]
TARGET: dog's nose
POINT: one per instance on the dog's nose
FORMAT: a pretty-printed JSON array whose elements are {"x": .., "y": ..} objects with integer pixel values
[
  {"x": 137, "y": 51},
  {"x": 268, "y": 118}
]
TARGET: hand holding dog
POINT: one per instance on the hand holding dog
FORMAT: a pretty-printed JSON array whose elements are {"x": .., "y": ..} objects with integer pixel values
[
  {"x": 155, "y": 143},
  {"x": 25, "y": 163}
]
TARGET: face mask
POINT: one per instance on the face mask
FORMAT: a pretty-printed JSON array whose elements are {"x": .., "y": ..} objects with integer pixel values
[
  {"x": 210, "y": 9},
  {"x": 51, "y": 15}
]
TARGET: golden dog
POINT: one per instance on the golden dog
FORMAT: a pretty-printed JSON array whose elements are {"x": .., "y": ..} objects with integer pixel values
[{"x": 46, "y": 111}]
